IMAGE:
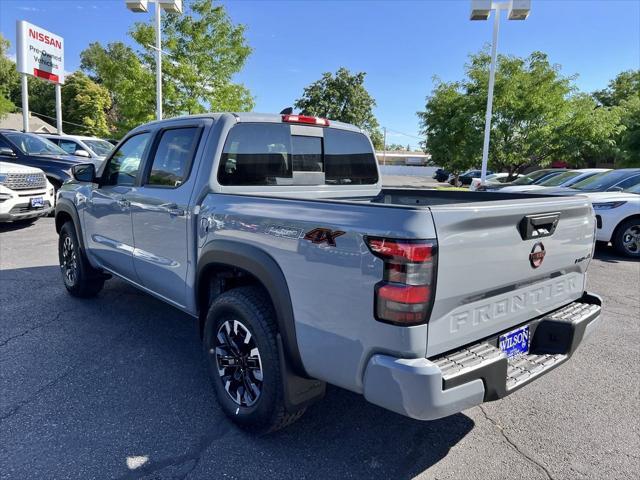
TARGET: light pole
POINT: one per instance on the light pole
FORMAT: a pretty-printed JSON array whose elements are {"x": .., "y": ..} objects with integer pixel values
[
  {"x": 173, "y": 6},
  {"x": 480, "y": 10}
]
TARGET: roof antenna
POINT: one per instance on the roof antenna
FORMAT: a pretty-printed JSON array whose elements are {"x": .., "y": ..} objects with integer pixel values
[{"x": 287, "y": 111}]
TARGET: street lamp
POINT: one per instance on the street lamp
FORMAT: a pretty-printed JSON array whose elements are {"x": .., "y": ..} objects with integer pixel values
[
  {"x": 141, "y": 6},
  {"x": 480, "y": 10}
]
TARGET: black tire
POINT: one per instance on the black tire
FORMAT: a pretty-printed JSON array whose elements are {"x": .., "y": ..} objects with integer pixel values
[
  {"x": 626, "y": 238},
  {"x": 246, "y": 309},
  {"x": 80, "y": 278}
]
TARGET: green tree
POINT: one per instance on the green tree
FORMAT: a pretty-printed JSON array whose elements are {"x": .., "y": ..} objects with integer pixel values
[
  {"x": 394, "y": 147},
  {"x": 623, "y": 94},
  {"x": 342, "y": 97},
  {"x": 451, "y": 127},
  {"x": 9, "y": 79},
  {"x": 625, "y": 86},
  {"x": 204, "y": 50},
  {"x": 629, "y": 139},
  {"x": 537, "y": 117},
  {"x": 85, "y": 103},
  {"x": 130, "y": 84}
]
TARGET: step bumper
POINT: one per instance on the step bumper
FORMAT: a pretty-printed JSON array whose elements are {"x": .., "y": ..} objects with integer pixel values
[{"x": 427, "y": 389}]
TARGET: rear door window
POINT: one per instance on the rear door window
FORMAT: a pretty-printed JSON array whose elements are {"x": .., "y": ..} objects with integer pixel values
[
  {"x": 68, "y": 146},
  {"x": 173, "y": 157}
]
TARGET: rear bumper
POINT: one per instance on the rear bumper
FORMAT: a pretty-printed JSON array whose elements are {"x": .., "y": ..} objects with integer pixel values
[{"x": 428, "y": 389}]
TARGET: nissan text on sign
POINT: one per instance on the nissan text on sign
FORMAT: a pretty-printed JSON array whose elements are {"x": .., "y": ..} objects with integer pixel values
[{"x": 39, "y": 53}]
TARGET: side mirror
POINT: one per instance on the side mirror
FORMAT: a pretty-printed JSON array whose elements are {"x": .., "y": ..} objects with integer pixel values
[
  {"x": 82, "y": 153},
  {"x": 615, "y": 189},
  {"x": 84, "y": 172},
  {"x": 7, "y": 152}
]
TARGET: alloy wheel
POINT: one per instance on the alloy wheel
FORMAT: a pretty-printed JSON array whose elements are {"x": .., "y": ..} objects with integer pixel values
[
  {"x": 238, "y": 362},
  {"x": 631, "y": 239},
  {"x": 69, "y": 264}
]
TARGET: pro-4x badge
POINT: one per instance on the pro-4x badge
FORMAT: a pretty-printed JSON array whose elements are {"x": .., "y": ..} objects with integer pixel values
[{"x": 323, "y": 235}]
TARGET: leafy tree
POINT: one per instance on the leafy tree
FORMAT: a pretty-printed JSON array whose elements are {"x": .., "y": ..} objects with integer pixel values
[
  {"x": 629, "y": 140},
  {"x": 204, "y": 51},
  {"x": 451, "y": 128},
  {"x": 394, "y": 147},
  {"x": 9, "y": 79},
  {"x": 621, "y": 88},
  {"x": 342, "y": 97},
  {"x": 42, "y": 98},
  {"x": 623, "y": 94},
  {"x": 85, "y": 103},
  {"x": 130, "y": 84},
  {"x": 537, "y": 118}
]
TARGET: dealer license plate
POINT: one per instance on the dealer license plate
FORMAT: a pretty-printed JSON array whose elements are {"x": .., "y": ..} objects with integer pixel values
[
  {"x": 37, "y": 202},
  {"x": 515, "y": 342}
]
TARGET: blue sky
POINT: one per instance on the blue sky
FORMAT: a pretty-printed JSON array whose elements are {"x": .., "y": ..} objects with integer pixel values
[{"x": 400, "y": 44}]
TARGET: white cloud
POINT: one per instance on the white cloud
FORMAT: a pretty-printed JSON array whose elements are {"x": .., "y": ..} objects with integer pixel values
[
  {"x": 29, "y": 9},
  {"x": 11, "y": 56}
]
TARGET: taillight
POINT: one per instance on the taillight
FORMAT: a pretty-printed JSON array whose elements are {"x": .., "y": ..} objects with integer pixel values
[
  {"x": 405, "y": 295},
  {"x": 309, "y": 120}
]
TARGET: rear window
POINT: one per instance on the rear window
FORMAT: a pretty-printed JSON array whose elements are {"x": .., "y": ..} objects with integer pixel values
[{"x": 267, "y": 154}]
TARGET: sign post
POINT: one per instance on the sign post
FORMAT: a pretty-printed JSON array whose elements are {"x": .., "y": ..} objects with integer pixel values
[{"x": 40, "y": 54}]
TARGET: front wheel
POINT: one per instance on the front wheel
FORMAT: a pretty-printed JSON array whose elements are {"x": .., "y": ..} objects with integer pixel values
[
  {"x": 80, "y": 279},
  {"x": 626, "y": 239},
  {"x": 242, "y": 354}
]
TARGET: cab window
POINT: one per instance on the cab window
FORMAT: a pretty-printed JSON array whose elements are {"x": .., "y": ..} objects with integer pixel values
[
  {"x": 173, "y": 157},
  {"x": 124, "y": 164}
]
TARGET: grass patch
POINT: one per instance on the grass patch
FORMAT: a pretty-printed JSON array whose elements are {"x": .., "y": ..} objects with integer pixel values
[{"x": 463, "y": 189}]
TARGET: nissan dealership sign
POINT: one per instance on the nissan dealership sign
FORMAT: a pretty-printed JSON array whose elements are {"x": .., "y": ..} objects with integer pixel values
[{"x": 39, "y": 53}]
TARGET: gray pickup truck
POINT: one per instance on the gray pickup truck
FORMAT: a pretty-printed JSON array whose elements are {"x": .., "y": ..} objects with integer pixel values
[{"x": 275, "y": 233}]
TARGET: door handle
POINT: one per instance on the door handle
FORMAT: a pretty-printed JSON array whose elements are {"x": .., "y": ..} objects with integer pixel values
[
  {"x": 175, "y": 211},
  {"x": 124, "y": 203}
]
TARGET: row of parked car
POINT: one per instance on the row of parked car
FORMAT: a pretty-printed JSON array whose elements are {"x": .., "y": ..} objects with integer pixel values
[
  {"x": 615, "y": 195},
  {"x": 33, "y": 167}
]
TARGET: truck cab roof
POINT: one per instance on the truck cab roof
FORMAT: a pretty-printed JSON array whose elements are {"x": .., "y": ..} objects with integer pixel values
[{"x": 249, "y": 117}]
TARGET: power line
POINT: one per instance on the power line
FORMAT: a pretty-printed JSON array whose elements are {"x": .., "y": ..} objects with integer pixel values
[
  {"x": 53, "y": 118},
  {"x": 405, "y": 134}
]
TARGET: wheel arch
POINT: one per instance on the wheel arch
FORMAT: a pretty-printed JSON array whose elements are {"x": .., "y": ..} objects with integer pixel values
[
  {"x": 66, "y": 211},
  {"x": 616, "y": 230},
  {"x": 224, "y": 259}
]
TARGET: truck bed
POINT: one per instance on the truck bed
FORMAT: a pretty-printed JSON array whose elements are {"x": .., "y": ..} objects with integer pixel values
[{"x": 416, "y": 197}]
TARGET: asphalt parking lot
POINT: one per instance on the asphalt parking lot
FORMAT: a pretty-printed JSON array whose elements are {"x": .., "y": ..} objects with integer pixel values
[{"x": 114, "y": 387}]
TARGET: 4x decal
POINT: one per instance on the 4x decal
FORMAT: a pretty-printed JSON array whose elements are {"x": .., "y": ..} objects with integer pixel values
[{"x": 323, "y": 235}]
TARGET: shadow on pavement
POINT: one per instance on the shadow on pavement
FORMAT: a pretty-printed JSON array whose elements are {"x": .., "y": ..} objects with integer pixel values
[
  {"x": 116, "y": 387},
  {"x": 606, "y": 253},
  {"x": 12, "y": 226}
]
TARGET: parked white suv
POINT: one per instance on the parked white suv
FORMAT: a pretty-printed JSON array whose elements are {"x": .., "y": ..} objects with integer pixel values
[
  {"x": 618, "y": 219},
  {"x": 93, "y": 148},
  {"x": 25, "y": 193}
]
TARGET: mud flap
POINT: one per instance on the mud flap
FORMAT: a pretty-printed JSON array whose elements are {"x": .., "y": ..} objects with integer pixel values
[{"x": 299, "y": 392}]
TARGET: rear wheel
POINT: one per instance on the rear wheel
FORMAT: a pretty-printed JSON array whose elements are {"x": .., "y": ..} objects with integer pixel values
[
  {"x": 242, "y": 354},
  {"x": 80, "y": 279},
  {"x": 626, "y": 239}
]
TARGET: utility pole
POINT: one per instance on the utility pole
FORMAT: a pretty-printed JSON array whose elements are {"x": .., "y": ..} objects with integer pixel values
[
  {"x": 25, "y": 102},
  {"x": 158, "y": 64},
  {"x": 481, "y": 10},
  {"x": 384, "y": 146}
]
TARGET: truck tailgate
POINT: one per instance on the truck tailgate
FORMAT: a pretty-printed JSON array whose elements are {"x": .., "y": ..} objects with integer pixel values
[{"x": 489, "y": 281}]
